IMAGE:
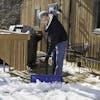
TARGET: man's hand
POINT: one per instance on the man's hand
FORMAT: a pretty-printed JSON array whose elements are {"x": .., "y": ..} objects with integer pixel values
[
  {"x": 46, "y": 64},
  {"x": 46, "y": 59}
]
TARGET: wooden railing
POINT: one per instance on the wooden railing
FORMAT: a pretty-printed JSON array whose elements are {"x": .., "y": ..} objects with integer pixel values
[{"x": 13, "y": 49}]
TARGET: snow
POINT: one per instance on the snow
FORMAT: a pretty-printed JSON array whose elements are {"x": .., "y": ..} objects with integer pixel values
[
  {"x": 73, "y": 69},
  {"x": 70, "y": 67},
  {"x": 12, "y": 88}
]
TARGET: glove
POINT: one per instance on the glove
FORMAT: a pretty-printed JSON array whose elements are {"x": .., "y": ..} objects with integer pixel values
[
  {"x": 46, "y": 59},
  {"x": 46, "y": 64}
]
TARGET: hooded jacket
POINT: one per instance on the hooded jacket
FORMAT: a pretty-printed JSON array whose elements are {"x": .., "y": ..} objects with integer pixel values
[{"x": 55, "y": 34}]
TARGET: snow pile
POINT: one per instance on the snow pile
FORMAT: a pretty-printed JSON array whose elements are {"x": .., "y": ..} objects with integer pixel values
[{"x": 12, "y": 88}]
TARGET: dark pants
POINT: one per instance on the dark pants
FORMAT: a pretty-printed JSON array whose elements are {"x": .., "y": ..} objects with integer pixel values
[{"x": 58, "y": 57}]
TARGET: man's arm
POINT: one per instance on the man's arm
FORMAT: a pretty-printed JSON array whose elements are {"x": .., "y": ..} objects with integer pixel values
[
  {"x": 44, "y": 36},
  {"x": 51, "y": 47}
]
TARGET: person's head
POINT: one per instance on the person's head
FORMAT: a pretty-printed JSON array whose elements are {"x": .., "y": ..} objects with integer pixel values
[{"x": 43, "y": 16}]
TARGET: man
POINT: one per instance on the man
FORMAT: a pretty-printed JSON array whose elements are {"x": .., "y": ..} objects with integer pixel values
[{"x": 56, "y": 40}]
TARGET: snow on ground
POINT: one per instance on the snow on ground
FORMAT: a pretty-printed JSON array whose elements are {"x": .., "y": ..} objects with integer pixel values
[
  {"x": 70, "y": 67},
  {"x": 12, "y": 88},
  {"x": 73, "y": 69}
]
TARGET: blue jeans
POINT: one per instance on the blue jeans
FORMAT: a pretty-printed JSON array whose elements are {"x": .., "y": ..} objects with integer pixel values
[{"x": 58, "y": 57}]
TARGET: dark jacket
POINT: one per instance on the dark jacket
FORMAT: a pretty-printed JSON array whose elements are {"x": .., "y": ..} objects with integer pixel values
[{"x": 56, "y": 34}]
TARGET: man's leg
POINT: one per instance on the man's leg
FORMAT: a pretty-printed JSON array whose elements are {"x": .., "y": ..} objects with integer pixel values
[{"x": 60, "y": 50}]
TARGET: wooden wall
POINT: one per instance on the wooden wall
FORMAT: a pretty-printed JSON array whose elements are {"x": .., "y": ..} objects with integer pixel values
[
  {"x": 81, "y": 20},
  {"x": 28, "y": 13},
  {"x": 29, "y": 6},
  {"x": 82, "y": 28}
]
